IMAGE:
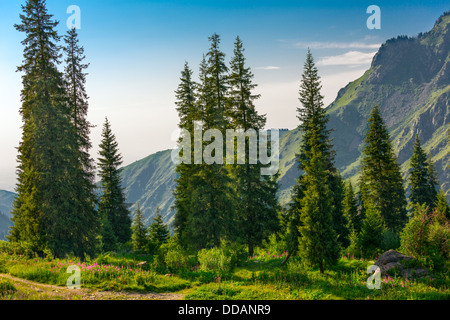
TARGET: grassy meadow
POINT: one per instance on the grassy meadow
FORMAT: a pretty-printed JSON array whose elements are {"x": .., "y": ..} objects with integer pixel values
[{"x": 261, "y": 277}]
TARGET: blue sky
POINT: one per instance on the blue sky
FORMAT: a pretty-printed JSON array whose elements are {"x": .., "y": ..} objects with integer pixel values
[{"x": 137, "y": 48}]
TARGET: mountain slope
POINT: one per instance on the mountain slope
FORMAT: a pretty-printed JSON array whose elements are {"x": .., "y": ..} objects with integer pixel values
[
  {"x": 6, "y": 201},
  {"x": 150, "y": 182},
  {"x": 409, "y": 79}
]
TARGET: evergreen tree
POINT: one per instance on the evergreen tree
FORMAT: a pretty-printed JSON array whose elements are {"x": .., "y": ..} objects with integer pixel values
[
  {"x": 112, "y": 200},
  {"x": 422, "y": 178},
  {"x": 381, "y": 183},
  {"x": 433, "y": 182},
  {"x": 441, "y": 204},
  {"x": 350, "y": 205},
  {"x": 75, "y": 78},
  {"x": 51, "y": 210},
  {"x": 139, "y": 231},
  {"x": 256, "y": 200},
  {"x": 158, "y": 230},
  {"x": 354, "y": 219},
  {"x": 318, "y": 244},
  {"x": 188, "y": 113},
  {"x": 313, "y": 125},
  {"x": 371, "y": 235},
  {"x": 211, "y": 210}
]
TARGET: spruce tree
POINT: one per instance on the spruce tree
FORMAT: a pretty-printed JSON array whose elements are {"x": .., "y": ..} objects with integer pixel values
[
  {"x": 315, "y": 134},
  {"x": 256, "y": 200},
  {"x": 433, "y": 182},
  {"x": 354, "y": 219},
  {"x": 318, "y": 244},
  {"x": 441, "y": 204},
  {"x": 350, "y": 205},
  {"x": 51, "y": 210},
  {"x": 188, "y": 113},
  {"x": 371, "y": 235},
  {"x": 381, "y": 183},
  {"x": 422, "y": 178},
  {"x": 211, "y": 218},
  {"x": 139, "y": 231},
  {"x": 112, "y": 200},
  {"x": 158, "y": 231}
]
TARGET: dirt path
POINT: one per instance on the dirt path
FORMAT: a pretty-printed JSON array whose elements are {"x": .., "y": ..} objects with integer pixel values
[{"x": 38, "y": 291}]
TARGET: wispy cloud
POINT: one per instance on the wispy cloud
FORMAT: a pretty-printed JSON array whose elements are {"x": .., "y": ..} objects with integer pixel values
[
  {"x": 337, "y": 45},
  {"x": 348, "y": 58},
  {"x": 267, "y": 68}
]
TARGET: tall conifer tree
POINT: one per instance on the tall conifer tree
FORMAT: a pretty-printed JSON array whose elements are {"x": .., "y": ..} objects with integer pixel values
[
  {"x": 318, "y": 244},
  {"x": 212, "y": 211},
  {"x": 139, "y": 231},
  {"x": 256, "y": 200},
  {"x": 49, "y": 211},
  {"x": 422, "y": 178},
  {"x": 112, "y": 203},
  {"x": 188, "y": 113},
  {"x": 381, "y": 183},
  {"x": 313, "y": 125}
]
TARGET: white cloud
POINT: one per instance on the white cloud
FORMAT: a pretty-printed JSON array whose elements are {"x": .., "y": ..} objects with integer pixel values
[
  {"x": 348, "y": 58},
  {"x": 267, "y": 68},
  {"x": 337, "y": 45}
]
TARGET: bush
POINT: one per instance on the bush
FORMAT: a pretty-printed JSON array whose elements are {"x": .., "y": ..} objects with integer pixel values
[
  {"x": 215, "y": 259},
  {"x": 427, "y": 235},
  {"x": 19, "y": 248},
  {"x": 173, "y": 255},
  {"x": 276, "y": 244}
]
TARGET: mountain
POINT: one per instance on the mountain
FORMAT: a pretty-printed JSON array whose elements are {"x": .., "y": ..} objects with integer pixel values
[
  {"x": 150, "y": 182},
  {"x": 409, "y": 79},
  {"x": 6, "y": 201}
]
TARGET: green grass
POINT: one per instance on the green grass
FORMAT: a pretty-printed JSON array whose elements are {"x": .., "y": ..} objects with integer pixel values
[{"x": 258, "y": 278}]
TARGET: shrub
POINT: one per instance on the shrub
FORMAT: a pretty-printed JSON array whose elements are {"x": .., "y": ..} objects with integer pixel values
[
  {"x": 276, "y": 244},
  {"x": 427, "y": 235},
  {"x": 218, "y": 259},
  {"x": 19, "y": 248},
  {"x": 173, "y": 255}
]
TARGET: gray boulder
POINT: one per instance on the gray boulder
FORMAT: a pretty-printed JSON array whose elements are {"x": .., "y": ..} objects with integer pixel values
[{"x": 395, "y": 260}]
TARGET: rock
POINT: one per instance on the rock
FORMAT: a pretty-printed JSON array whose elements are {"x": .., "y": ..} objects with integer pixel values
[{"x": 392, "y": 259}]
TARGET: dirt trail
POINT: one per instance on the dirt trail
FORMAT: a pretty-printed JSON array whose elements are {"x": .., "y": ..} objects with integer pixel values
[{"x": 27, "y": 289}]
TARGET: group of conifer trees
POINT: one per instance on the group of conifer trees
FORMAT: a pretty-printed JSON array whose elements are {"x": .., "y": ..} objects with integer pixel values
[
  {"x": 325, "y": 217},
  {"x": 216, "y": 202},
  {"x": 56, "y": 206}
]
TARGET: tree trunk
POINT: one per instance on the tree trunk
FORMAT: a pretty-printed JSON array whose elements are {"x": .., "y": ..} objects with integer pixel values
[
  {"x": 250, "y": 250},
  {"x": 286, "y": 259}
]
